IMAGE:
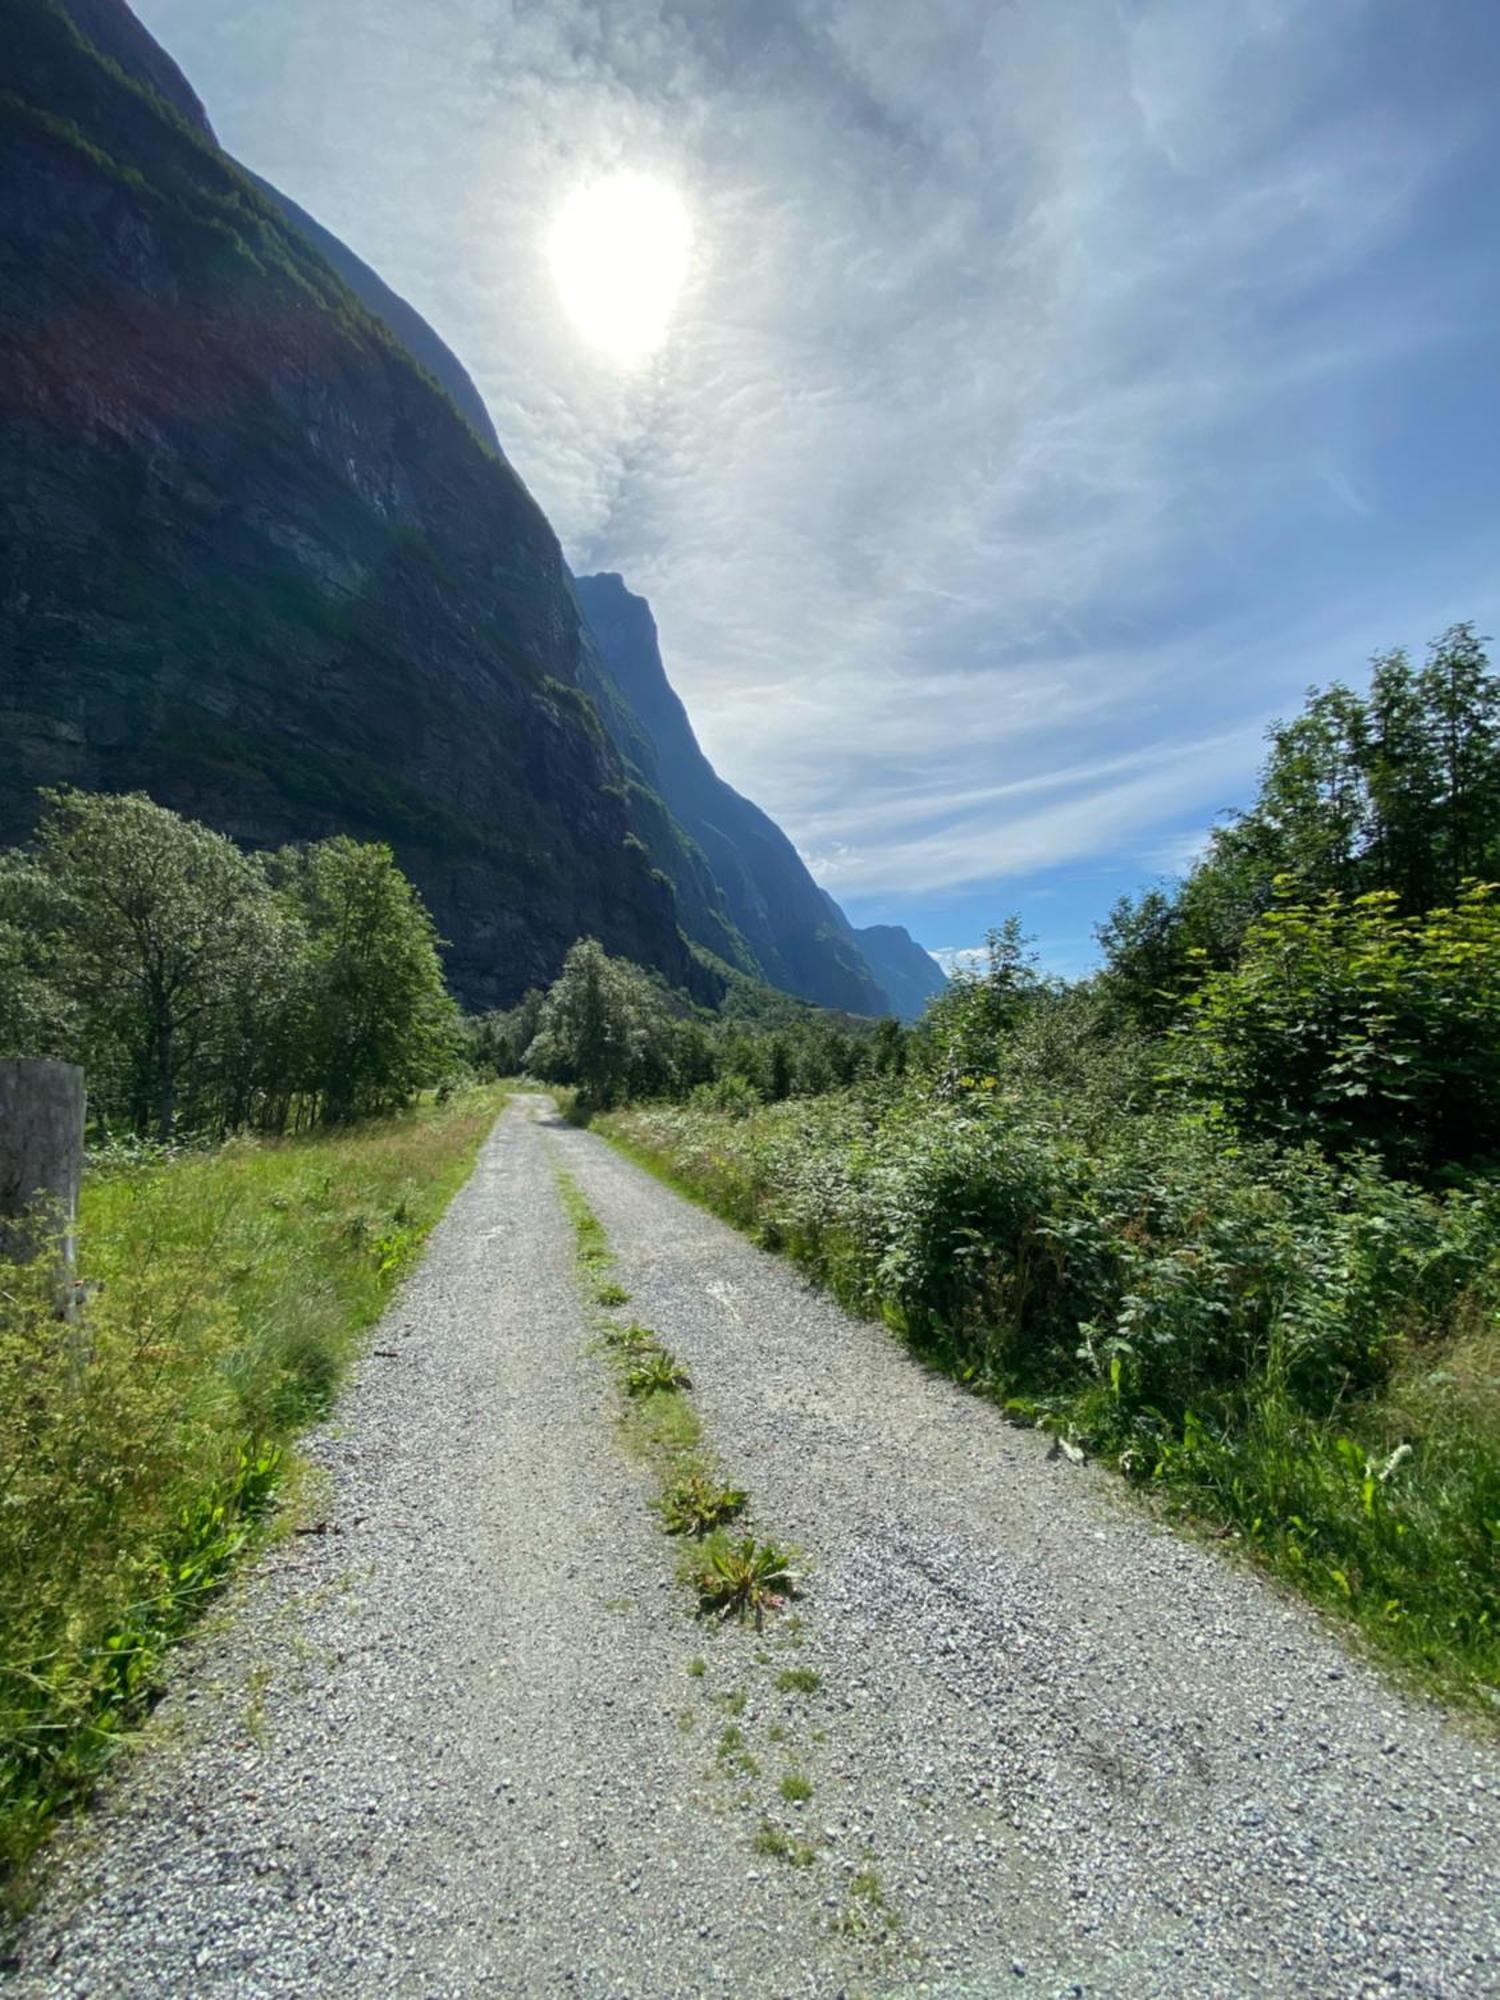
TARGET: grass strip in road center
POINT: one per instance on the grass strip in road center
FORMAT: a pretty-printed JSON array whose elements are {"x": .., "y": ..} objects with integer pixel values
[
  {"x": 737, "y": 1577},
  {"x": 734, "y": 1574}
]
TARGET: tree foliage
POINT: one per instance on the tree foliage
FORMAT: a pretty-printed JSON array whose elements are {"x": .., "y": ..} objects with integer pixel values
[
  {"x": 1346, "y": 1022},
  {"x": 1397, "y": 790},
  {"x": 206, "y": 989}
]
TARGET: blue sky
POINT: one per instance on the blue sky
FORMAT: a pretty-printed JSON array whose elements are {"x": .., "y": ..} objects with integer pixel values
[{"x": 1059, "y": 387}]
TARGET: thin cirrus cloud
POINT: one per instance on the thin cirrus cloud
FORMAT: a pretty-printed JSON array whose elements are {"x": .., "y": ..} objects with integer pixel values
[{"x": 1056, "y": 389}]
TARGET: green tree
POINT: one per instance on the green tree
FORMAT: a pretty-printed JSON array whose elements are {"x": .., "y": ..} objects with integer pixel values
[
  {"x": 1347, "y": 1022},
  {"x": 369, "y": 1021},
  {"x": 597, "y": 1026},
  {"x": 158, "y": 930},
  {"x": 1461, "y": 698},
  {"x": 38, "y": 1012},
  {"x": 1398, "y": 790}
]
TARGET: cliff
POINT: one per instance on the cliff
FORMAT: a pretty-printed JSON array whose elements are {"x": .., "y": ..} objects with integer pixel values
[
  {"x": 909, "y": 975},
  {"x": 254, "y": 561},
  {"x": 800, "y": 939}
]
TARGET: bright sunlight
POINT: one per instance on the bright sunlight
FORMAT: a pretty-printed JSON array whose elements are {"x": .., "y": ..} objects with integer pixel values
[{"x": 619, "y": 252}]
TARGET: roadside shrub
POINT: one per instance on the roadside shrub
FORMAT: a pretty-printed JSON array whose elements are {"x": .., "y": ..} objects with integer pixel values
[{"x": 1255, "y": 1329}]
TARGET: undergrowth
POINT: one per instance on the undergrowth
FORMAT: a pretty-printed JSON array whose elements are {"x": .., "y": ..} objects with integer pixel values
[
  {"x": 1302, "y": 1353},
  {"x": 142, "y": 1448}
]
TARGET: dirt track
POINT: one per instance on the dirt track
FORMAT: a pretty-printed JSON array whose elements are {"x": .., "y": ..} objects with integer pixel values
[{"x": 453, "y": 1746}]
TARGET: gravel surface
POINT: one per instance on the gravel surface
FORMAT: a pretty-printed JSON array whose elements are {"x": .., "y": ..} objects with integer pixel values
[{"x": 459, "y": 1742}]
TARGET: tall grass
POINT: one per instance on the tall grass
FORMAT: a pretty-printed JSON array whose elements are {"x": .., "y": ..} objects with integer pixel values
[
  {"x": 1305, "y": 1355},
  {"x": 141, "y": 1448}
]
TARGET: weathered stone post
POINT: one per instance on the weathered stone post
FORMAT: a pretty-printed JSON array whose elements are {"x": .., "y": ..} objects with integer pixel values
[{"x": 41, "y": 1164}]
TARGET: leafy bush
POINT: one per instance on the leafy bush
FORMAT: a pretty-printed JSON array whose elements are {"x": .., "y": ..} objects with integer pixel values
[{"x": 1242, "y": 1325}]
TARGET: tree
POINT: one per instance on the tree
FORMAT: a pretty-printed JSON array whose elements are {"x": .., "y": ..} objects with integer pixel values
[
  {"x": 158, "y": 929},
  {"x": 597, "y": 1026},
  {"x": 1351, "y": 1023},
  {"x": 371, "y": 1018},
  {"x": 38, "y": 1014},
  {"x": 1461, "y": 698},
  {"x": 1398, "y": 790}
]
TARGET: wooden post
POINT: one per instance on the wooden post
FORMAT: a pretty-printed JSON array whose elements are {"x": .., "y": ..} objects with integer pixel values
[{"x": 41, "y": 1164}]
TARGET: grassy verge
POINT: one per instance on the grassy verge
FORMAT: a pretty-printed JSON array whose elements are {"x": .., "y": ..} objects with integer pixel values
[
  {"x": 1305, "y": 1361},
  {"x": 141, "y": 1450}
]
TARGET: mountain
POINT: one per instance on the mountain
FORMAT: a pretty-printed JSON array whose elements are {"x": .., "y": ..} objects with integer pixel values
[
  {"x": 263, "y": 557},
  {"x": 252, "y": 558},
  {"x": 111, "y": 28},
  {"x": 909, "y": 975},
  {"x": 404, "y": 321},
  {"x": 800, "y": 938}
]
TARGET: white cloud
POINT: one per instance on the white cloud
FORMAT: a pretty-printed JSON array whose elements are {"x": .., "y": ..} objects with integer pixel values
[{"x": 1007, "y": 333}]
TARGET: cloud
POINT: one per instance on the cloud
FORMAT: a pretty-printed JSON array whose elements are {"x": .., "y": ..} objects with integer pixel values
[
  {"x": 958, "y": 957},
  {"x": 1013, "y": 432}
]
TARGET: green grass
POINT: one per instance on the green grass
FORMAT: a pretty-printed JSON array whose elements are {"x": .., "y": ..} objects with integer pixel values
[
  {"x": 865, "y": 1917},
  {"x": 780, "y": 1846},
  {"x": 798, "y": 1680},
  {"x": 141, "y": 1451},
  {"x": 795, "y": 1789}
]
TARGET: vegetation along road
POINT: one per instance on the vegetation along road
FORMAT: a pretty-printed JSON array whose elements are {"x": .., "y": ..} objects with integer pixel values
[{"x": 462, "y": 1733}]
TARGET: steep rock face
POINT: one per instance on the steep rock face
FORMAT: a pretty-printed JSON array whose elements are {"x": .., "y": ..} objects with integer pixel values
[
  {"x": 799, "y": 937},
  {"x": 909, "y": 975},
  {"x": 115, "y": 32},
  {"x": 253, "y": 562},
  {"x": 404, "y": 321}
]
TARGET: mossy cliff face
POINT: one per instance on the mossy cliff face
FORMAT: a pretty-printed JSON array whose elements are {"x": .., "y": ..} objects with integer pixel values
[{"x": 254, "y": 562}]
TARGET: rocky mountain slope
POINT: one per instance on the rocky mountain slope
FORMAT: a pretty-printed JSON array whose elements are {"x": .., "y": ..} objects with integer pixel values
[
  {"x": 908, "y": 976},
  {"x": 264, "y": 557},
  {"x": 252, "y": 558},
  {"x": 800, "y": 939}
]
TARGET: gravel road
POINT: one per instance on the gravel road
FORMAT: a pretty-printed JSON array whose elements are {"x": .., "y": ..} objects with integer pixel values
[{"x": 469, "y": 1740}]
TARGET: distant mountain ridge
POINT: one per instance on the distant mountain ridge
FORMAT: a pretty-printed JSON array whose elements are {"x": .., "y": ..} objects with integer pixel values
[
  {"x": 800, "y": 938},
  {"x": 265, "y": 558},
  {"x": 909, "y": 975}
]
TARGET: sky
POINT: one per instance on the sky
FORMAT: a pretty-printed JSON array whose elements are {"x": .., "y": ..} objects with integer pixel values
[{"x": 1057, "y": 388}]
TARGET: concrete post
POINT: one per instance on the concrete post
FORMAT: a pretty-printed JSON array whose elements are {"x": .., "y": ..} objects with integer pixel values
[{"x": 41, "y": 1164}]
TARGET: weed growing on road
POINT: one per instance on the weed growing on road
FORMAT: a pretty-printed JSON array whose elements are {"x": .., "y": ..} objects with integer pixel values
[
  {"x": 770, "y": 1839},
  {"x": 695, "y": 1504},
  {"x": 865, "y": 1917},
  {"x": 656, "y": 1373},
  {"x": 798, "y": 1680},
  {"x": 733, "y": 1754},
  {"x": 742, "y": 1579},
  {"x": 796, "y": 1789},
  {"x": 632, "y": 1339}
]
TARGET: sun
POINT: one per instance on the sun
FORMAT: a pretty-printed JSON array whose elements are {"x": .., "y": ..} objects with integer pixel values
[{"x": 619, "y": 252}]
